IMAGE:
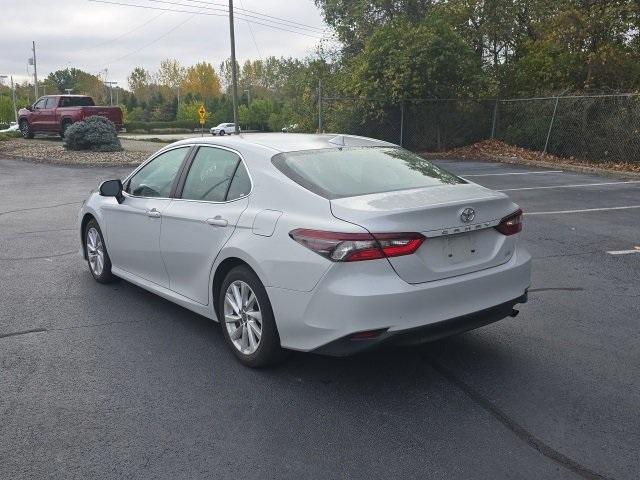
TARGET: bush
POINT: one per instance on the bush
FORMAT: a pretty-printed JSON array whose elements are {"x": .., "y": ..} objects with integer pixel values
[{"x": 94, "y": 133}]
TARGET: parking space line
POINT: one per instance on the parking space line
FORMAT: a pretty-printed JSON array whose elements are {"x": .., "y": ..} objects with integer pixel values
[
  {"x": 510, "y": 173},
  {"x": 582, "y": 211},
  {"x": 624, "y": 252},
  {"x": 570, "y": 186}
]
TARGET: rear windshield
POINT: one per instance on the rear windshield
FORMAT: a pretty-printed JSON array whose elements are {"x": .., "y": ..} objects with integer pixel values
[
  {"x": 76, "y": 102},
  {"x": 347, "y": 172}
]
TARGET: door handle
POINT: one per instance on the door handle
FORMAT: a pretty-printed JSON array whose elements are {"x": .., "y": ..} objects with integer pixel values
[
  {"x": 217, "y": 221},
  {"x": 153, "y": 213}
]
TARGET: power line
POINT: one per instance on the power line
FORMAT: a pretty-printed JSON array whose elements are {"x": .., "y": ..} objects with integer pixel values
[
  {"x": 147, "y": 44},
  {"x": 107, "y": 42},
  {"x": 259, "y": 13},
  {"x": 200, "y": 13},
  {"x": 243, "y": 15},
  {"x": 253, "y": 37}
]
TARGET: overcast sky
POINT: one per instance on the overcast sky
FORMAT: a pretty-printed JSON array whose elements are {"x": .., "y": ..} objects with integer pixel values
[{"x": 96, "y": 36}]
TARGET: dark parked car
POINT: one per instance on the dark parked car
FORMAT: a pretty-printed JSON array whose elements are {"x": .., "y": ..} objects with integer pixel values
[{"x": 54, "y": 114}]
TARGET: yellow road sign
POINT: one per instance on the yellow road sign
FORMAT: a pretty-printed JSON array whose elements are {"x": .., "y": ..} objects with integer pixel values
[{"x": 202, "y": 112}]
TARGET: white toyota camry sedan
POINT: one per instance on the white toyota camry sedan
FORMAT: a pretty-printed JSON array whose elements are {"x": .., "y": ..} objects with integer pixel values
[{"x": 325, "y": 243}]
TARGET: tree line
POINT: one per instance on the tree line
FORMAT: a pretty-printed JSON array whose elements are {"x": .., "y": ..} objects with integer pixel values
[{"x": 394, "y": 52}]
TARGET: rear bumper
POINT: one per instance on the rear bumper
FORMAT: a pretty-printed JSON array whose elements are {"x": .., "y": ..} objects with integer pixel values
[
  {"x": 428, "y": 333},
  {"x": 365, "y": 296}
]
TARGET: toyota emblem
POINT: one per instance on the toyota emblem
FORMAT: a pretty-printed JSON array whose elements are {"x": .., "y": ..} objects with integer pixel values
[{"x": 467, "y": 215}]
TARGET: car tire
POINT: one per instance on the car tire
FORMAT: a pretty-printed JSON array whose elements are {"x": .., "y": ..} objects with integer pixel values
[
  {"x": 96, "y": 252},
  {"x": 26, "y": 129},
  {"x": 250, "y": 328},
  {"x": 222, "y": 132},
  {"x": 63, "y": 128}
]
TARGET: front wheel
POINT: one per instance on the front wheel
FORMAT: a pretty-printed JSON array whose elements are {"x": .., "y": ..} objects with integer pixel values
[
  {"x": 97, "y": 256},
  {"x": 26, "y": 129},
  {"x": 248, "y": 324},
  {"x": 222, "y": 132}
]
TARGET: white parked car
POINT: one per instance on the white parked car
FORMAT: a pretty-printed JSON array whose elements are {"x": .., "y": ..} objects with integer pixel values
[
  {"x": 224, "y": 129},
  {"x": 330, "y": 244}
]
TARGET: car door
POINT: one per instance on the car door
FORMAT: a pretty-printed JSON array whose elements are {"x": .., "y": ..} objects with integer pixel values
[
  {"x": 133, "y": 226},
  {"x": 36, "y": 117},
  {"x": 209, "y": 201},
  {"x": 48, "y": 115}
]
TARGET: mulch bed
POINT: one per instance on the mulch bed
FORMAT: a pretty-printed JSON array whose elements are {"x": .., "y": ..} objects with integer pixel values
[
  {"x": 497, "y": 151},
  {"x": 54, "y": 152}
]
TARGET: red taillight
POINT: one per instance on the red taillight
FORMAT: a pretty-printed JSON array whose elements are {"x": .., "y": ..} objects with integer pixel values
[
  {"x": 511, "y": 224},
  {"x": 354, "y": 247}
]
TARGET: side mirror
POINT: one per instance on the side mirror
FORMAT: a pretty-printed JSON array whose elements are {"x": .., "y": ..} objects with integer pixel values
[
  {"x": 29, "y": 107},
  {"x": 112, "y": 188}
]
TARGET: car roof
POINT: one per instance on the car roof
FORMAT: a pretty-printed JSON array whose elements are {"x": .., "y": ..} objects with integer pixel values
[{"x": 287, "y": 142}]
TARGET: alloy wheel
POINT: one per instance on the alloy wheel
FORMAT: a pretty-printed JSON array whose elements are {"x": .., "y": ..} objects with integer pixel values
[
  {"x": 242, "y": 317},
  {"x": 95, "y": 251}
]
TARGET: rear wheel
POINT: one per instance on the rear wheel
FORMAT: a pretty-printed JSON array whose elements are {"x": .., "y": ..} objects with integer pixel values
[
  {"x": 97, "y": 256},
  {"x": 26, "y": 129},
  {"x": 248, "y": 324}
]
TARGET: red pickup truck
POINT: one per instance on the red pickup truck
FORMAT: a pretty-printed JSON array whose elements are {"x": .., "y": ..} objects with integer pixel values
[{"x": 54, "y": 113}]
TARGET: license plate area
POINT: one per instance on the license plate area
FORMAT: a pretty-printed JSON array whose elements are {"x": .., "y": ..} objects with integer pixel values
[{"x": 460, "y": 248}]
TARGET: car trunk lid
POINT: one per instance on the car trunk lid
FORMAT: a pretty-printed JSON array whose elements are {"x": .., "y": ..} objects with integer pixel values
[{"x": 456, "y": 244}]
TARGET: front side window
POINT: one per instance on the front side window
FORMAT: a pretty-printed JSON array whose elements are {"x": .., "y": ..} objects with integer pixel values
[
  {"x": 351, "y": 171},
  {"x": 40, "y": 103},
  {"x": 211, "y": 174},
  {"x": 156, "y": 178}
]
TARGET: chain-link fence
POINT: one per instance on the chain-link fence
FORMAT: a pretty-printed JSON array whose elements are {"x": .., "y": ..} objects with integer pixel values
[{"x": 593, "y": 127}]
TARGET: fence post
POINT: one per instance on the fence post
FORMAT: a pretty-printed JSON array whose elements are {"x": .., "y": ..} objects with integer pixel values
[
  {"x": 401, "y": 123},
  {"x": 493, "y": 121},
  {"x": 553, "y": 118}
]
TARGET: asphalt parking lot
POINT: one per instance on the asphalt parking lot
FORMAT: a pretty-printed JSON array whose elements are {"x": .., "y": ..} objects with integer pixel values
[{"x": 113, "y": 382}]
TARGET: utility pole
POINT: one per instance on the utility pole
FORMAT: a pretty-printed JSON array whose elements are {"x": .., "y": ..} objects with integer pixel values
[
  {"x": 234, "y": 78},
  {"x": 35, "y": 71}
]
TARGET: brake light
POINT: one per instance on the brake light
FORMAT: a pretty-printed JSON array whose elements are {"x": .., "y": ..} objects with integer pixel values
[
  {"x": 511, "y": 224},
  {"x": 354, "y": 247}
]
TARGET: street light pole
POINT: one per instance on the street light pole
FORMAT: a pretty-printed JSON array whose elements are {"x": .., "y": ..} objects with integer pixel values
[
  {"x": 234, "y": 78},
  {"x": 35, "y": 71},
  {"x": 111, "y": 84},
  {"x": 13, "y": 96}
]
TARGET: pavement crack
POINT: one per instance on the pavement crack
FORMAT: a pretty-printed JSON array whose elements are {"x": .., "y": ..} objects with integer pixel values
[
  {"x": 16, "y": 234},
  {"x": 515, "y": 427},
  {"x": 39, "y": 257},
  {"x": 23, "y": 332}
]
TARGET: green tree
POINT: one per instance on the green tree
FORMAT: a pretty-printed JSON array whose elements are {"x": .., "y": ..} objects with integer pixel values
[{"x": 429, "y": 60}]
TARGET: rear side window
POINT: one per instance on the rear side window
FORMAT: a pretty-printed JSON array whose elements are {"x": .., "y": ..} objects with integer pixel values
[
  {"x": 211, "y": 176},
  {"x": 240, "y": 185},
  {"x": 348, "y": 172},
  {"x": 156, "y": 178}
]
